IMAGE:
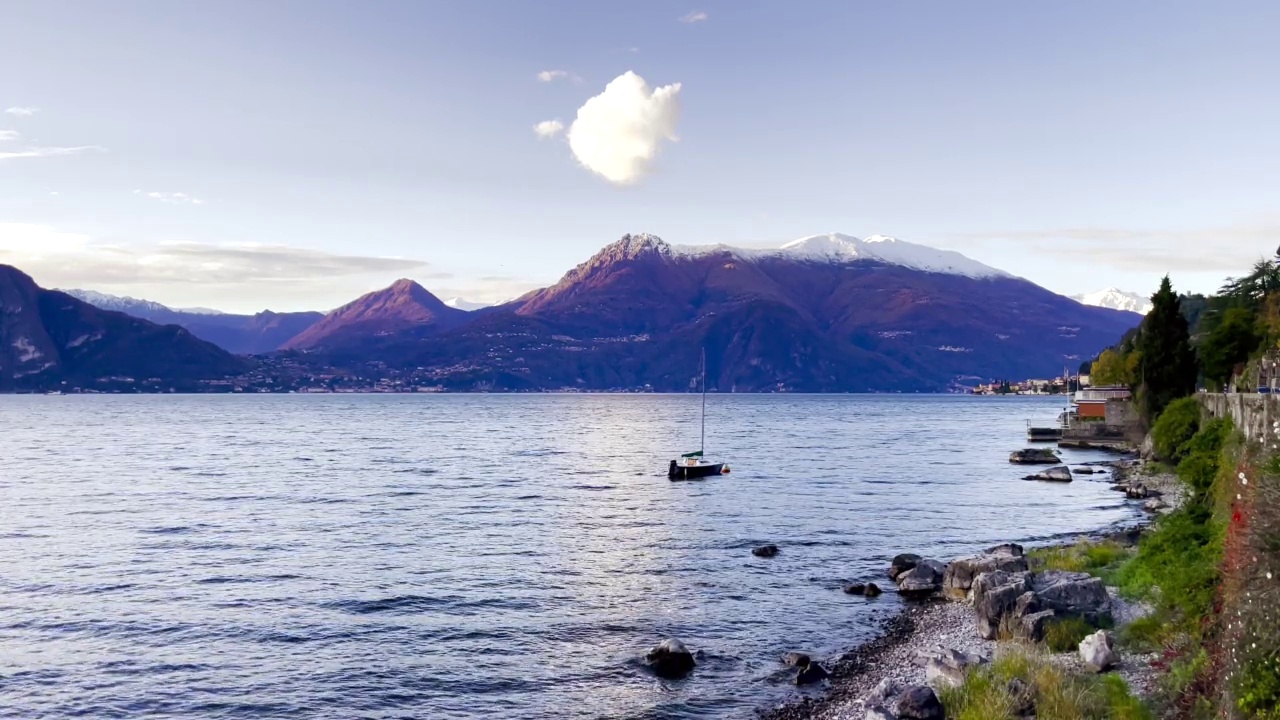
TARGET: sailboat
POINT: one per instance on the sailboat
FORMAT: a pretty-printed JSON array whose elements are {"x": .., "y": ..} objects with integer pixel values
[{"x": 694, "y": 464}]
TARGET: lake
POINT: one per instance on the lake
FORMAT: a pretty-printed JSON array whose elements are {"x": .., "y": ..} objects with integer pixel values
[{"x": 452, "y": 556}]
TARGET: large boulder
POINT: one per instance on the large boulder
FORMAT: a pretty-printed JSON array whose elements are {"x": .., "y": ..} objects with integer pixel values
[
  {"x": 902, "y": 563},
  {"x": 1072, "y": 594},
  {"x": 919, "y": 703},
  {"x": 923, "y": 579},
  {"x": 1033, "y": 626},
  {"x": 1098, "y": 651},
  {"x": 670, "y": 659},
  {"x": 957, "y": 580},
  {"x": 1034, "y": 456},
  {"x": 995, "y": 595}
]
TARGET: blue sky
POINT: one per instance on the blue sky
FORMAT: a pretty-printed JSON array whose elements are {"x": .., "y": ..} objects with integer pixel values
[{"x": 291, "y": 155}]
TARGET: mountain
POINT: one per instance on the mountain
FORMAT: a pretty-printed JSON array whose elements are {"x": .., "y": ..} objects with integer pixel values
[
  {"x": 405, "y": 306},
  {"x": 240, "y": 334},
  {"x": 1116, "y": 300},
  {"x": 827, "y": 313},
  {"x": 48, "y": 337},
  {"x": 459, "y": 303}
]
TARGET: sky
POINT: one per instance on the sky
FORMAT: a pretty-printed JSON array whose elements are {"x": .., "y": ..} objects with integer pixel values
[{"x": 293, "y": 155}]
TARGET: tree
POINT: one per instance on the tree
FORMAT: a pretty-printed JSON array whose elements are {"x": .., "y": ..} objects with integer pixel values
[
  {"x": 1110, "y": 369},
  {"x": 1232, "y": 341},
  {"x": 1167, "y": 367}
]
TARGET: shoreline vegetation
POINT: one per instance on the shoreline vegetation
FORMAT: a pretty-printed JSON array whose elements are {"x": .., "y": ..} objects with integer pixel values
[{"x": 1186, "y": 628}]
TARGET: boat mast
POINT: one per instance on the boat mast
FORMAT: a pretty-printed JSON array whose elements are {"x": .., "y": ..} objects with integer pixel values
[{"x": 702, "y": 445}]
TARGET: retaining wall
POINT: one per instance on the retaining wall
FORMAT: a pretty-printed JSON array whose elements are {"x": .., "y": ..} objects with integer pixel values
[{"x": 1252, "y": 413}]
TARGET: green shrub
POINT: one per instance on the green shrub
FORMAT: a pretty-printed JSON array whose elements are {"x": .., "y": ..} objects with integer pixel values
[
  {"x": 1146, "y": 634},
  {"x": 1065, "y": 634},
  {"x": 1175, "y": 428},
  {"x": 1257, "y": 688},
  {"x": 1121, "y": 704},
  {"x": 1176, "y": 565},
  {"x": 1054, "y": 693},
  {"x": 1087, "y": 557}
]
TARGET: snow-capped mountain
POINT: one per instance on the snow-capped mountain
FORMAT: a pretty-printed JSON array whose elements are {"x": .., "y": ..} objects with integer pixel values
[
  {"x": 1116, "y": 300},
  {"x": 461, "y": 304},
  {"x": 119, "y": 303},
  {"x": 836, "y": 247}
]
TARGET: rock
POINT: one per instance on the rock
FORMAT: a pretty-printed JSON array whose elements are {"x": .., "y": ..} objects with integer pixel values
[
  {"x": 1013, "y": 549},
  {"x": 855, "y": 589},
  {"x": 923, "y": 579},
  {"x": 1098, "y": 651},
  {"x": 946, "y": 667},
  {"x": 1126, "y": 537},
  {"x": 1136, "y": 492},
  {"x": 957, "y": 580},
  {"x": 1057, "y": 474},
  {"x": 1033, "y": 625},
  {"x": 811, "y": 673},
  {"x": 885, "y": 690},
  {"x": 902, "y": 563},
  {"x": 795, "y": 659},
  {"x": 766, "y": 551},
  {"x": 1025, "y": 702},
  {"x": 873, "y": 590},
  {"x": 919, "y": 703},
  {"x": 1026, "y": 604},
  {"x": 995, "y": 594},
  {"x": 878, "y": 712},
  {"x": 1034, "y": 456},
  {"x": 1154, "y": 505},
  {"x": 670, "y": 659},
  {"x": 1072, "y": 594},
  {"x": 1083, "y": 471}
]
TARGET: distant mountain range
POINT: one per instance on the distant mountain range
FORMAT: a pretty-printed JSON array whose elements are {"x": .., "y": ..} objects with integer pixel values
[
  {"x": 827, "y": 313},
  {"x": 240, "y": 334},
  {"x": 1117, "y": 300},
  {"x": 47, "y": 337}
]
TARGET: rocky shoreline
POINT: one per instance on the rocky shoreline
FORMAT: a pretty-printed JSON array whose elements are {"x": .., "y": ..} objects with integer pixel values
[{"x": 942, "y": 631}]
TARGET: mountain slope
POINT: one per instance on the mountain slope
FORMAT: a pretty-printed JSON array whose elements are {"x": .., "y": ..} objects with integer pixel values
[
  {"x": 47, "y": 337},
  {"x": 240, "y": 334},
  {"x": 825, "y": 314},
  {"x": 404, "y": 306},
  {"x": 1116, "y": 300}
]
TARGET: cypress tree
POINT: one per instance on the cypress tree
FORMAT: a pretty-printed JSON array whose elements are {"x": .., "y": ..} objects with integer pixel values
[{"x": 1168, "y": 364}]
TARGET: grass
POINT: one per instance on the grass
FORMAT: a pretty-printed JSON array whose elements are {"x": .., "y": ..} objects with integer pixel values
[
  {"x": 1146, "y": 634},
  {"x": 1101, "y": 559},
  {"x": 1065, "y": 634},
  {"x": 1022, "y": 680}
]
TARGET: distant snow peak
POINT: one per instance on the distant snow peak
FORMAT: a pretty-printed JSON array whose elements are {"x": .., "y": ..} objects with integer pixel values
[
  {"x": 461, "y": 304},
  {"x": 637, "y": 244},
  {"x": 1116, "y": 300},
  {"x": 119, "y": 303},
  {"x": 844, "y": 248}
]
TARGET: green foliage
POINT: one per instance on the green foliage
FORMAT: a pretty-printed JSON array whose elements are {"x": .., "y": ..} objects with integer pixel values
[
  {"x": 1168, "y": 365},
  {"x": 1250, "y": 290},
  {"x": 1094, "y": 558},
  {"x": 1110, "y": 369},
  {"x": 1145, "y": 634},
  {"x": 989, "y": 693},
  {"x": 1257, "y": 688},
  {"x": 1230, "y": 343},
  {"x": 1176, "y": 567},
  {"x": 1174, "y": 429},
  {"x": 1065, "y": 634}
]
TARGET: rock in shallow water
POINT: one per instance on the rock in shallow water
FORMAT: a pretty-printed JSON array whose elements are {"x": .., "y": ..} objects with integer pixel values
[
  {"x": 1057, "y": 474},
  {"x": 670, "y": 659},
  {"x": 795, "y": 659},
  {"x": 923, "y": 579},
  {"x": 873, "y": 590},
  {"x": 766, "y": 551},
  {"x": 901, "y": 564},
  {"x": 811, "y": 673},
  {"x": 855, "y": 589},
  {"x": 1034, "y": 456}
]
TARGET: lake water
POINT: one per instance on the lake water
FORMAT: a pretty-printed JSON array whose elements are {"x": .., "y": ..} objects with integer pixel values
[{"x": 459, "y": 556}]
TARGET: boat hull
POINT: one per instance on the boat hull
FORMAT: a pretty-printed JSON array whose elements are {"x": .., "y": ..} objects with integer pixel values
[{"x": 692, "y": 472}]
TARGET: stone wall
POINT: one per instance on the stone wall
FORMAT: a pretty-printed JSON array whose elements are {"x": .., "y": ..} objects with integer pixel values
[{"x": 1252, "y": 413}]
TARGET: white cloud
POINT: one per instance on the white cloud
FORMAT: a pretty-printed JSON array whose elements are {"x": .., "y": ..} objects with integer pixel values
[
  {"x": 47, "y": 152},
  {"x": 552, "y": 75},
  {"x": 693, "y": 17},
  {"x": 8, "y": 135},
  {"x": 173, "y": 198},
  {"x": 548, "y": 129},
  {"x": 617, "y": 133},
  {"x": 22, "y": 111}
]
